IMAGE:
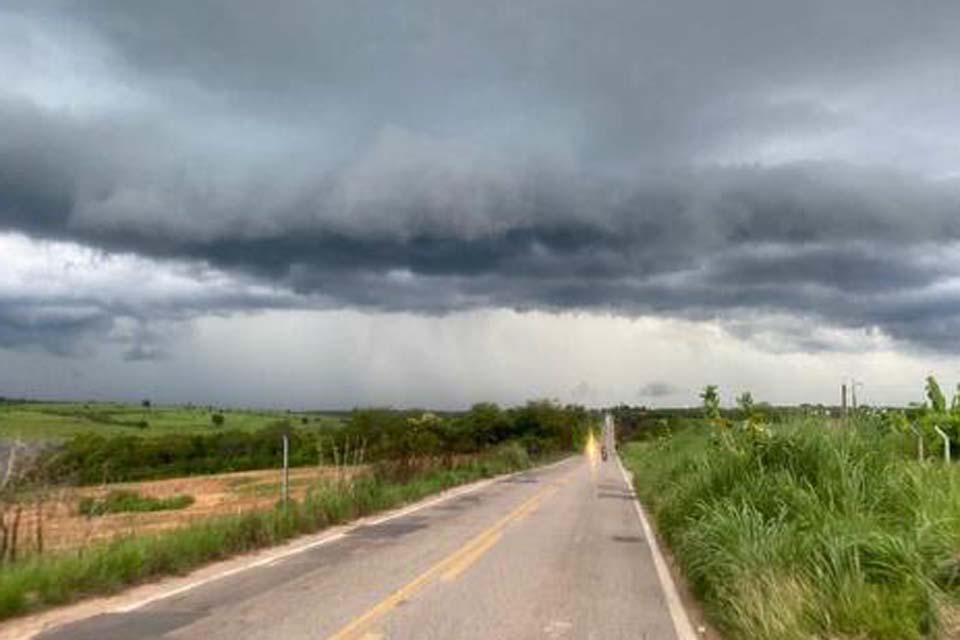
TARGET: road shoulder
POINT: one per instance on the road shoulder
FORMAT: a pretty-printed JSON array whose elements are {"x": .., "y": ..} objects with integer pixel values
[{"x": 692, "y": 623}]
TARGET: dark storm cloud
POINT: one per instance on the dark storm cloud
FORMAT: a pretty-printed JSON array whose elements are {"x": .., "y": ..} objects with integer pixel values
[
  {"x": 657, "y": 389},
  {"x": 698, "y": 160},
  {"x": 60, "y": 330},
  {"x": 143, "y": 327},
  {"x": 639, "y": 76}
]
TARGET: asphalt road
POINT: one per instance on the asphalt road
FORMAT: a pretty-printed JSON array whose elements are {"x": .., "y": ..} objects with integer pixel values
[{"x": 557, "y": 552}]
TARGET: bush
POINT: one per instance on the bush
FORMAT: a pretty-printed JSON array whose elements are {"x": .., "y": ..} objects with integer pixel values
[{"x": 512, "y": 456}]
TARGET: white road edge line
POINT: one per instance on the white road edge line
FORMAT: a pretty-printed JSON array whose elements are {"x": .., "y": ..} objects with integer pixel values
[
  {"x": 363, "y": 522},
  {"x": 681, "y": 621}
]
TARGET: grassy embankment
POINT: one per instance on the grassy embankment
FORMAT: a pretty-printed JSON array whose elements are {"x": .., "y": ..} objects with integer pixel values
[
  {"x": 810, "y": 530},
  {"x": 52, "y": 579}
]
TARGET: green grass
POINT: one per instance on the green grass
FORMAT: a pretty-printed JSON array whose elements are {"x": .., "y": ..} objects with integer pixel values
[
  {"x": 42, "y": 421},
  {"x": 125, "y": 501},
  {"x": 42, "y": 581},
  {"x": 259, "y": 488},
  {"x": 812, "y": 531}
]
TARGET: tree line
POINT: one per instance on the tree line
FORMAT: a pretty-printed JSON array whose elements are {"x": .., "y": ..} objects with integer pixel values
[{"x": 367, "y": 435}]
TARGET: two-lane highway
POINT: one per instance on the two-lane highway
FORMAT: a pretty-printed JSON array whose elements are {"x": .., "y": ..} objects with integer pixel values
[{"x": 557, "y": 552}]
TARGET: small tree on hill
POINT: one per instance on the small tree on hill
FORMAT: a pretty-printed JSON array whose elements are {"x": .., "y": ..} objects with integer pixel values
[{"x": 711, "y": 402}]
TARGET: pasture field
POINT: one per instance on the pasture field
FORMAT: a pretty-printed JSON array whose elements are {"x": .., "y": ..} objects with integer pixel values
[{"x": 56, "y": 421}]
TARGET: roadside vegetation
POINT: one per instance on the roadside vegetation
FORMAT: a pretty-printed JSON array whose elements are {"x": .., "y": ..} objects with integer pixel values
[
  {"x": 363, "y": 435},
  {"x": 126, "y": 501},
  {"x": 810, "y": 526},
  {"x": 380, "y": 459},
  {"x": 42, "y": 580}
]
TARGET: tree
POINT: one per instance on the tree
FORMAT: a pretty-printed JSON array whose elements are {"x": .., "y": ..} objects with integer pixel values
[
  {"x": 421, "y": 438},
  {"x": 486, "y": 424},
  {"x": 145, "y": 404},
  {"x": 711, "y": 402},
  {"x": 745, "y": 402},
  {"x": 217, "y": 419}
]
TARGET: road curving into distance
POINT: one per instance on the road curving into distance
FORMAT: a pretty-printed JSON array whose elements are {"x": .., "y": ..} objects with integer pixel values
[{"x": 557, "y": 552}]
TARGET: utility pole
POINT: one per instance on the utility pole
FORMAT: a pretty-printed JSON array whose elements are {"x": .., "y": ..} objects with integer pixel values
[
  {"x": 854, "y": 383},
  {"x": 843, "y": 399}
]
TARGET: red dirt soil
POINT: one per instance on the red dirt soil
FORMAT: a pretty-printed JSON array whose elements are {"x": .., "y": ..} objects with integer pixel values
[{"x": 220, "y": 494}]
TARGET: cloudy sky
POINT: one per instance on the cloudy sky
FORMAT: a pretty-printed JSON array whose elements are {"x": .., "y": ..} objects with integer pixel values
[{"x": 433, "y": 203}]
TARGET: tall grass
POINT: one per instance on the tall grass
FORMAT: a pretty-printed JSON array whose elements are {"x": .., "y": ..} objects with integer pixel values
[
  {"x": 103, "y": 568},
  {"x": 810, "y": 531}
]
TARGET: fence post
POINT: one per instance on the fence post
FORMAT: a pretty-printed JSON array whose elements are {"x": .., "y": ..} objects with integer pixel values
[
  {"x": 286, "y": 469},
  {"x": 919, "y": 443},
  {"x": 946, "y": 444}
]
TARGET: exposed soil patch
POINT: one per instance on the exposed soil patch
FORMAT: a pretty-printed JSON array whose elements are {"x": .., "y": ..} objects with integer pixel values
[{"x": 215, "y": 495}]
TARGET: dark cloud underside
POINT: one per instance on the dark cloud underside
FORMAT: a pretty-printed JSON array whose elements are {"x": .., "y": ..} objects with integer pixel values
[{"x": 690, "y": 160}]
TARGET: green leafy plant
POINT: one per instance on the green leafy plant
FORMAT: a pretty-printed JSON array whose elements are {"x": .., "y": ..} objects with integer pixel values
[
  {"x": 938, "y": 402},
  {"x": 710, "y": 396},
  {"x": 753, "y": 419}
]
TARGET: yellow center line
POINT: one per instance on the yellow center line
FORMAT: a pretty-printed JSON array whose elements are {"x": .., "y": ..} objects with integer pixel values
[
  {"x": 466, "y": 561},
  {"x": 449, "y": 567}
]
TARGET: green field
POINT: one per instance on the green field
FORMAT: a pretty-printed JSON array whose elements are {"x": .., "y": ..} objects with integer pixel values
[{"x": 42, "y": 421}]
